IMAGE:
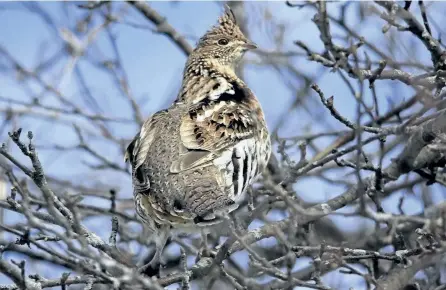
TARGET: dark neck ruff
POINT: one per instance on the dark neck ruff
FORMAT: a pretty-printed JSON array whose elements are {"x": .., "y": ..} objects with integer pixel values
[{"x": 198, "y": 67}]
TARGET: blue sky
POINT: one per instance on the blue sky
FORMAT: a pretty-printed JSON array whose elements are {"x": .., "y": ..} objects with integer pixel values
[{"x": 154, "y": 67}]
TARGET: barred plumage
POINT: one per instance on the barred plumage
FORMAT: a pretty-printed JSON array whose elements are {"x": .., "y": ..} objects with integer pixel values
[{"x": 197, "y": 158}]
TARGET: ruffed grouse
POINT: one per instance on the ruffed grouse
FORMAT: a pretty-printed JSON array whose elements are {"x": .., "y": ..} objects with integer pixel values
[{"x": 193, "y": 161}]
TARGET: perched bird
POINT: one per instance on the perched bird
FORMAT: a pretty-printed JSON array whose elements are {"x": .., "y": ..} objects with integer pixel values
[{"x": 192, "y": 162}]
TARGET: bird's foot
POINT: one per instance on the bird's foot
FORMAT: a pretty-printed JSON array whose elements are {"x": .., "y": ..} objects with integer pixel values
[{"x": 204, "y": 249}]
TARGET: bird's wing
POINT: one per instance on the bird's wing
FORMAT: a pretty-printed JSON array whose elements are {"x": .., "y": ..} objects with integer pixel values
[
  {"x": 137, "y": 150},
  {"x": 214, "y": 124}
]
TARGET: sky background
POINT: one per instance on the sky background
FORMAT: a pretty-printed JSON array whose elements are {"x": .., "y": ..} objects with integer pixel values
[{"x": 154, "y": 68}]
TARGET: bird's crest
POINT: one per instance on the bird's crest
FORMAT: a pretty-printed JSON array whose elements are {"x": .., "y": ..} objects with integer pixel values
[
  {"x": 227, "y": 25},
  {"x": 228, "y": 17}
]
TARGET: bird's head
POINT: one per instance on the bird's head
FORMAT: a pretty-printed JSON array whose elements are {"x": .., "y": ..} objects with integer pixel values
[{"x": 224, "y": 43}]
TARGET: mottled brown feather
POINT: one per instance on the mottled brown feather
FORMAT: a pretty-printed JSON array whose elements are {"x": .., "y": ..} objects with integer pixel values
[{"x": 182, "y": 157}]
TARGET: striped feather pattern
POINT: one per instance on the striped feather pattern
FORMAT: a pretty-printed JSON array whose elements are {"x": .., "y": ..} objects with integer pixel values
[{"x": 197, "y": 158}]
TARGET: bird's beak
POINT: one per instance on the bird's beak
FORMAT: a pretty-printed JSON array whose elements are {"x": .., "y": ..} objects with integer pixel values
[{"x": 250, "y": 45}]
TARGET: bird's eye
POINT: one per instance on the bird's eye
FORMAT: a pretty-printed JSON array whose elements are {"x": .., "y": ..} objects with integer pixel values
[{"x": 223, "y": 41}]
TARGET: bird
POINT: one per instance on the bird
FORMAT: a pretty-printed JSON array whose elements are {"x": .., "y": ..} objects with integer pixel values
[{"x": 193, "y": 162}]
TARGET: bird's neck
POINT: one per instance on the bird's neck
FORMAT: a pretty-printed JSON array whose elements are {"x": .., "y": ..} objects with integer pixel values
[
  {"x": 199, "y": 73},
  {"x": 207, "y": 67},
  {"x": 210, "y": 84}
]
